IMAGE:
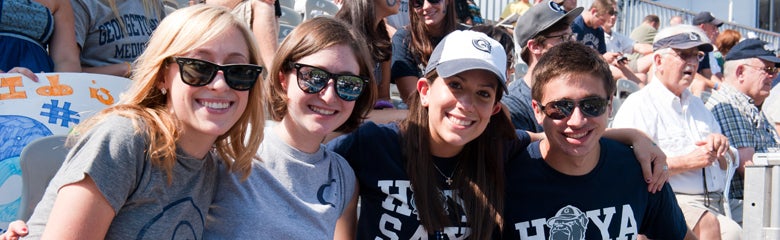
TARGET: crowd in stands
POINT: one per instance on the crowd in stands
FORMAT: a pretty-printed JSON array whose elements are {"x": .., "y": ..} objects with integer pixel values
[{"x": 494, "y": 132}]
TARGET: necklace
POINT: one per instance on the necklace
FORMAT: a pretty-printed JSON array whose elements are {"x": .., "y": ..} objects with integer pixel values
[{"x": 449, "y": 179}]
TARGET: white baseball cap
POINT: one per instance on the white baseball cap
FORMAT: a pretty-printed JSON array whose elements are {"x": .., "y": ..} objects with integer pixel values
[{"x": 461, "y": 51}]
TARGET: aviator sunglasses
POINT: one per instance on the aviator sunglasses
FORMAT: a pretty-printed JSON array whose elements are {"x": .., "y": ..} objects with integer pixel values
[
  {"x": 419, "y": 3},
  {"x": 313, "y": 80},
  {"x": 560, "y": 109},
  {"x": 196, "y": 72}
]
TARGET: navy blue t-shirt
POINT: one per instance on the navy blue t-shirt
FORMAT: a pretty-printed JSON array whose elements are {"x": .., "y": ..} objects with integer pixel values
[
  {"x": 387, "y": 208},
  {"x": 610, "y": 202},
  {"x": 593, "y": 38}
]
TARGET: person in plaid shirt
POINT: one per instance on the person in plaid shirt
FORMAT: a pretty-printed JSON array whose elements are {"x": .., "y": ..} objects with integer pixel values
[{"x": 748, "y": 71}]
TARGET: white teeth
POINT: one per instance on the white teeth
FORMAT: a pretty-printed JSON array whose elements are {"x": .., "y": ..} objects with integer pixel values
[
  {"x": 460, "y": 122},
  {"x": 216, "y": 105},
  {"x": 576, "y": 135},
  {"x": 322, "y": 111}
]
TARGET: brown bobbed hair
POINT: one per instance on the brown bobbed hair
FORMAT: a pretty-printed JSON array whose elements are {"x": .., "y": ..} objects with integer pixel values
[{"x": 308, "y": 38}]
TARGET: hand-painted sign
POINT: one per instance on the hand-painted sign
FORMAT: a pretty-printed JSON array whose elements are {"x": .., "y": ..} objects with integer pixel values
[{"x": 30, "y": 110}]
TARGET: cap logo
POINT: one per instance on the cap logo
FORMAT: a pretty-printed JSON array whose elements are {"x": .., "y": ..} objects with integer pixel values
[
  {"x": 693, "y": 36},
  {"x": 556, "y": 7},
  {"x": 482, "y": 45}
]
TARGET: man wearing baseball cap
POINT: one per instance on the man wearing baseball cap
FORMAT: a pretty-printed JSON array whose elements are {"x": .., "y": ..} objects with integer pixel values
[
  {"x": 709, "y": 71},
  {"x": 748, "y": 73},
  {"x": 685, "y": 130},
  {"x": 543, "y": 26}
]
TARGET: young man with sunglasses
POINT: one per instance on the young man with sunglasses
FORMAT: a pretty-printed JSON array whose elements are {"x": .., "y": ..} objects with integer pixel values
[
  {"x": 685, "y": 130},
  {"x": 543, "y": 26},
  {"x": 574, "y": 184},
  {"x": 749, "y": 70}
]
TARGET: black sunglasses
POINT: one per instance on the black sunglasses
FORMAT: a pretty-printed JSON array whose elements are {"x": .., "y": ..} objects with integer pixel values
[
  {"x": 419, "y": 3},
  {"x": 560, "y": 109},
  {"x": 313, "y": 80},
  {"x": 196, "y": 72}
]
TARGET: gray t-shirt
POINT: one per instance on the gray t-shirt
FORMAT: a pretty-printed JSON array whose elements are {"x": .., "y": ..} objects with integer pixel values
[
  {"x": 289, "y": 195},
  {"x": 100, "y": 34},
  {"x": 113, "y": 154}
]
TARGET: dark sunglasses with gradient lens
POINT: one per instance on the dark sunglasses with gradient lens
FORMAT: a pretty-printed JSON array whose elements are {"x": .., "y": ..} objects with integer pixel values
[
  {"x": 560, "y": 109},
  {"x": 419, "y": 3},
  {"x": 196, "y": 72},
  {"x": 313, "y": 80}
]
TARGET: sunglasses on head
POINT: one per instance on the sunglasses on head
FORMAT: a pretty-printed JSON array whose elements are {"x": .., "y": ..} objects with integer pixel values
[
  {"x": 560, "y": 109},
  {"x": 313, "y": 80},
  {"x": 196, "y": 72},
  {"x": 419, "y": 3}
]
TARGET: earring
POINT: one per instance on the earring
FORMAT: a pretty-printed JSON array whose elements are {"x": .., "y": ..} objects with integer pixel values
[{"x": 164, "y": 91}]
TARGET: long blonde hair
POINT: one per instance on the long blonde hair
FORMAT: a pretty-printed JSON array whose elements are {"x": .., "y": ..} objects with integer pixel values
[{"x": 181, "y": 32}]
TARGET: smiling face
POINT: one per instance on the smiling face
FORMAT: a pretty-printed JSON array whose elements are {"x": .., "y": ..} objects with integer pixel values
[
  {"x": 317, "y": 114},
  {"x": 432, "y": 14},
  {"x": 578, "y": 134},
  {"x": 459, "y": 108},
  {"x": 209, "y": 111}
]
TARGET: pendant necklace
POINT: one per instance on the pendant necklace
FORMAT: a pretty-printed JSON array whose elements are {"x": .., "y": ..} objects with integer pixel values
[{"x": 449, "y": 179}]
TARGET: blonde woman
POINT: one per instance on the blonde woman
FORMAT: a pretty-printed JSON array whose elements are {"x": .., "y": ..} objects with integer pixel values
[{"x": 147, "y": 168}]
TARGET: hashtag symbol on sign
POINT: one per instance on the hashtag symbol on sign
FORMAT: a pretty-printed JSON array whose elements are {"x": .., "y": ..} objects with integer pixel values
[{"x": 63, "y": 113}]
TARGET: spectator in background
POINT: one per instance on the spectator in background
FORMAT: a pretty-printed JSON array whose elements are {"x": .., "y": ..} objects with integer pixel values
[
  {"x": 111, "y": 34},
  {"x": 398, "y": 20},
  {"x": 504, "y": 37},
  {"x": 430, "y": 21},
  {"x": 568, "y": 5},
  {"x": 368, "y": 17},
  {"x": 771, "y": 107},
  {"x": 618, "y": 43},
  {"x": 260, "y": 16},
  {"x": 709, "y": 72},
  {"x": 687, "y": 132},
  {"x": 517, "y": 7},
  {"x": 725, "y": 41},
  {"x": 645, "y": 32},
  {"x": 588, "y": 27},
  {"x": 675, "y": 20},
  {"x": 37, "y": 36},
  {"x": 749, "y": 70},
  {"x": 545, "y": 25}
]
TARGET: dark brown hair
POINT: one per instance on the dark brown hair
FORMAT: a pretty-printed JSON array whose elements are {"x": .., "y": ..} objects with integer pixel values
[
  {"x": 570, "y": 58},
  {"x": 362, "y": 15},
  {"x": 422, "y": 43},
  {"x": 479, "y": 174}
]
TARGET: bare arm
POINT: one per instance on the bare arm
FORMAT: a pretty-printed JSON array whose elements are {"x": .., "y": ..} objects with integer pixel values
[
  {"x": 117, "y": 69},
  {"x": 384, "y": 84},
  {"x": 265, "y": 26},
  {"x": 745, "y": 158},
  {"x": 63, "y": 48},
  {"x": 406, "y": 86},
  {"x": 347, "y": 223},
  {"x": 79, "y": 212}
]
